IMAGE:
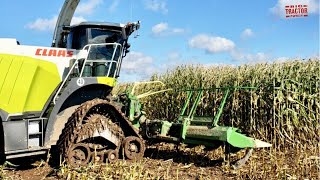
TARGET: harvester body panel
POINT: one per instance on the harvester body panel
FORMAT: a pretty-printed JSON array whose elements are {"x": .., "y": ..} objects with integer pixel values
[
  {"x": 26, "y": 83},
  {"x": 30, "y": 74}
]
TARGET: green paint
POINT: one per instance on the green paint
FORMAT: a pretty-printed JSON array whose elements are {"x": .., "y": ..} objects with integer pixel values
[
  {"x": 184, "y": 128},
  {"x": 196, "y": 103},
  {"x": 189, "y": 94},
  {"x": 217, "y": 117},
  {"x": 239, "y": 140},
  {"x": 220, "y": 133}
]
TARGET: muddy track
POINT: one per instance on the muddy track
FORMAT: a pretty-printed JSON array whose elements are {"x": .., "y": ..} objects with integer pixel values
[
  {"x": 98, "y": 123},
  {"x": 79, "y": 127}
]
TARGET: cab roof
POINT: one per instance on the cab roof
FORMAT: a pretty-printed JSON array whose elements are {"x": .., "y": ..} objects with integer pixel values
[{"x": 102, "y": 24}]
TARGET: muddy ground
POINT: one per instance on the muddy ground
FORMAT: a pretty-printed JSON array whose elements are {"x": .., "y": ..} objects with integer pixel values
[{"x": 165, "y": 162}]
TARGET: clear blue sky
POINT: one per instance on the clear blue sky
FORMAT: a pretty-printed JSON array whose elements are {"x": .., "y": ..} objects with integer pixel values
[{"x": 173, "y": 32}]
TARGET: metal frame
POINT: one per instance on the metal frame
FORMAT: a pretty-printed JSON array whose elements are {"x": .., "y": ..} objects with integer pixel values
[
  {"x": 190, "y": 93},
  {"x": 87, "y": 48},
  {"x": 64, "y": 81},
  {"x": 135, "y": 106}
]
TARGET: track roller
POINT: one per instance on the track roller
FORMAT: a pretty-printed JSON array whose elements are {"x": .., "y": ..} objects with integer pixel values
[
  {"x": 79, "y": 155},
  {"x": 112, "y": 155},
  {"x": 133, "y": 148}
]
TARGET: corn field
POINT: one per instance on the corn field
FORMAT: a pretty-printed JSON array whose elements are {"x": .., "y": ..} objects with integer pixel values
[{"x": 284, "y": 109}]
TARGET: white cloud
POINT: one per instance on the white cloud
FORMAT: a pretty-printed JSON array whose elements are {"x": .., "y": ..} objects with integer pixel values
[
  {"x": 88, "y": 7},
  {"x": 156, "y": 6},
  {"x": 159, "y": 28},
  {"x": 249, "y": 58},
  {"x": 214, "y": 44},
  {"x": 178, "y": 30},
  {"x": 279, "y": 8},
  {"x": 247, "y": 33},
  {"x": 137, "y": 63},
  {"x": 211, "y": 44},
  {"x": 44, "y": 24},
  {"x": 163, "y": 29}
]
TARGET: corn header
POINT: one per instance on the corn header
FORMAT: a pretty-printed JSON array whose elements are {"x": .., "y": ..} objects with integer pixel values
[{"x": 189, "y": 128}]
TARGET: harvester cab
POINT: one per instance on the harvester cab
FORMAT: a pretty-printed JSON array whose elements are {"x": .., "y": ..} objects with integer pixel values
[
  {"x": 104, "y": 46},
  {"x": 101, "y": 45}
]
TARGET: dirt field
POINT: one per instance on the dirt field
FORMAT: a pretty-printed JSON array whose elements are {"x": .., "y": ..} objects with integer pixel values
[{"x": 164, "y": 162}]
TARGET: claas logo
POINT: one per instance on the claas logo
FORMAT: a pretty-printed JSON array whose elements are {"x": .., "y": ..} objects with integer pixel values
[{"x": 54, "y": 52}]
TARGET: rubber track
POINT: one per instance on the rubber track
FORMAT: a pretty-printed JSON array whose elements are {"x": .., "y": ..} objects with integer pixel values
[
  {"x": 70, "y": 132},
  {"x": 100, "y": 123}
]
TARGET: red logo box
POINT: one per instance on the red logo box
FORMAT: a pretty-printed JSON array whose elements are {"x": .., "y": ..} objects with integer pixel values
[{"x": 296, "y": 11}]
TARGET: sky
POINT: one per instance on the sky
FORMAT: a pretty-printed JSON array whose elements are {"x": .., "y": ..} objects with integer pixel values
[{"x": 175, "y": 32}]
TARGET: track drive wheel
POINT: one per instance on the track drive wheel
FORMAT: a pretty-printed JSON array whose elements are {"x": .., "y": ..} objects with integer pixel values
[
  {"x": 79, "y": 155},
  {"x": 133, "y": 148}
]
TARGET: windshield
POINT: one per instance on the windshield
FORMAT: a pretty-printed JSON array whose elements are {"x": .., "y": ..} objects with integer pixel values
[
  {"x": 97, "y": 36},
  {"x": 81, "y": 36}
]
